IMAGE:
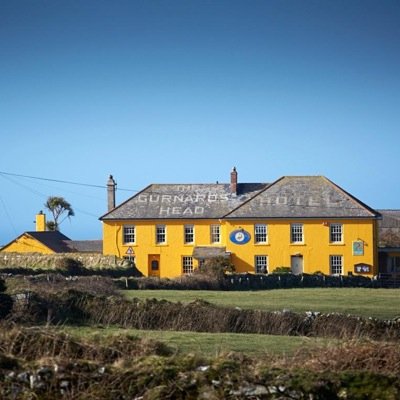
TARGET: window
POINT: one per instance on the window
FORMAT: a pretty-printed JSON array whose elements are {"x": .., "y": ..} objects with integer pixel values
[
  {"x": 215, "y": 233},
  {"x": 189, "y": 234},
  {"x": 129, "y": 234},
  {"x": 296, "y": 233},
  {"x": 394, "y": 264},
  {"x": 187, "y": 264},
  {"x": 260, "y": 233},
  {"x": 336, "y": 233},
  {"x": 130, "y": 258},
  {"x": 336, "y": 264},
  {"x": 261, "y": 266},
  {"x": 161, "y": 234}
]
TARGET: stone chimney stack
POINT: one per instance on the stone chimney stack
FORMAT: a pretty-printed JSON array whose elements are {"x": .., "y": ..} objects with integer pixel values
[
  {"x": 234, "y": 181},
  {"x": 40, "y": 222},
  {"x": 111, "y": 186}
]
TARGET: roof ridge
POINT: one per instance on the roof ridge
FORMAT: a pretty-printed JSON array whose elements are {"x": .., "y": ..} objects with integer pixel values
[{"x": 253, "y": 197}]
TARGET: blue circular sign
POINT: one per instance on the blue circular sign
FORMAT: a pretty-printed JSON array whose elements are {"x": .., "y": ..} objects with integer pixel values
[{"x": 239, "y": 236}]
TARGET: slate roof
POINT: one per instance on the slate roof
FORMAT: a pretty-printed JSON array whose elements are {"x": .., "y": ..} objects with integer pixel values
[
  {"x": 288, "y": 197},
  {"x": 54, "y": 240},
  {"x": 389, "y": 228},
  {"x": 177, "y": 201},
  {"x": 303, "y": 197},
  {"x": 85, "y": 246}
]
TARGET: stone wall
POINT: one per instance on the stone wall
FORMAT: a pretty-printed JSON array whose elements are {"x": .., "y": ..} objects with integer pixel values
[{"x": 49, "y": 261}]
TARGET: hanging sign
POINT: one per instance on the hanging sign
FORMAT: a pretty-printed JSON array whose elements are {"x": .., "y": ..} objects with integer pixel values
[
  {"x": 358, "y": 248},
  {"x": 239, "y": 236}
]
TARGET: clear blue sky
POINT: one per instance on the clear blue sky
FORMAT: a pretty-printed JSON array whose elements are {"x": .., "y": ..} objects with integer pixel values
[{"x": 181, "y": 91}]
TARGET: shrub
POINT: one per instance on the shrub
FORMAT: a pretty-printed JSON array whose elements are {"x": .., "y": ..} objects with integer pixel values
[
  {"x": 69, "y": 266},
  {"x": 216, "y": 267},
  {"x": 282, "y": 270}
]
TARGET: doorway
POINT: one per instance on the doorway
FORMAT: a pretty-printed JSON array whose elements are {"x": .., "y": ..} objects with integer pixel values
[
  {"x": 296, "y": 263},
  {"x": 154, "y": 265}
]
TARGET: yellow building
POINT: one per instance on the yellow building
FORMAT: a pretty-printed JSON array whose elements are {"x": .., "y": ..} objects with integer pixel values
[
  {"x": 306, "y": 223},
  {"x": 49, "y": 242}
]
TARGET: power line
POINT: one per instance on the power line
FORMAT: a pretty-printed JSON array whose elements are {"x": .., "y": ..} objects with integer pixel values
[{"x": 63, "y": 181}]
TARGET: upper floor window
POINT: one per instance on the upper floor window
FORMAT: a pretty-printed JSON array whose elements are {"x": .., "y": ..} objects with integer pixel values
[
  {"x": 129, "y": 234},
  {"x": 161, "y": 234},
  {"x": 260, "y": 233},
  {"x": 215, "y": 233},
  {"x": 187, "y": 264},
  {"x": 296, "y": 233},
  {"x": 336, "y": 265},
  {"x": 189, "y": 234},
  {"x": 261, "y": 264},
  {"x": 336, "y": 233}
]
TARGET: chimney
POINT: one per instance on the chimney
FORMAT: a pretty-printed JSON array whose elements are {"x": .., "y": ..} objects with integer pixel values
[
  {"x": 234, "y": 176},
  {"x": 40, "y": 222},
  {"x": 111, "y": 185}
]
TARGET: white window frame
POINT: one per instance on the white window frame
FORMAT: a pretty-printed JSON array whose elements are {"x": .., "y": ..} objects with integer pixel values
[
  {"x": 261, "y": 264},
  {"x": 215, "y": 233},
  {"x": 187, "y": 265},
  {"x": 129, "y": 234},
  {"x": 336, "y": 233},
  {"x": 188, "y": 233},
  {"x": 161, "y": 234},
  {"x": 336, "y": 264},
  {"x": 296, "y": 233},
  {"x": 261, "y": 233}
]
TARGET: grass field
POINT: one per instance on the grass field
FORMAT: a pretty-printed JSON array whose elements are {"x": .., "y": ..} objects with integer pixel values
[
  {"x": 212, "y": 344},
  {"x": 376, "y": 303}
]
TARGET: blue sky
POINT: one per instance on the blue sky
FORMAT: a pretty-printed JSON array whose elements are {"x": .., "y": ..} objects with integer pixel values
[{"x": 182, "y": 91}]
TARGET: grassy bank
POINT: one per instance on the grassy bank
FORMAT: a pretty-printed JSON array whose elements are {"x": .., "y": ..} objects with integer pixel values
[
  {"x": 212, "y": 344},
  {"x": 376, "y": 303}
]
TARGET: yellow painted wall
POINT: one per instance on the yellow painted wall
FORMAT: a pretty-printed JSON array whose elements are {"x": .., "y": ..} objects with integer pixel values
[
  {"x": 315, "y": 250},
  {"x": 26, "y": 244}
]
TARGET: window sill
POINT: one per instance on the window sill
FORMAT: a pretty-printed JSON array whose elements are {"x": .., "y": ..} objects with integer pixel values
[
  {"x": 298, "y": 244},
  {"x": 336, "y": 244}
]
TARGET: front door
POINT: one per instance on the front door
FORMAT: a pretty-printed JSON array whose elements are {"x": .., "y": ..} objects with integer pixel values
[
  {"x": 296, "y": 263},
  {"x": 154, "y": 265}
]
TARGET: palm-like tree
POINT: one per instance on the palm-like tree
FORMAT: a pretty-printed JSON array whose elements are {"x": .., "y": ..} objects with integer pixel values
[{"x": 58, "y": 206}]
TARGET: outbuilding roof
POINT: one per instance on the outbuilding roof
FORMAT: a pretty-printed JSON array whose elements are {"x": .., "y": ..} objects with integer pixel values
[
  {"x": 288, "y": 197},
  {"x": 389, "y": 229},
  {"x": 54, "y": 240}
]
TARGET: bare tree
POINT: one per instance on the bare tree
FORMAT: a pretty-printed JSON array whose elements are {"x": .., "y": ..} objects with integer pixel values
[{"x": 58, "y": 206}]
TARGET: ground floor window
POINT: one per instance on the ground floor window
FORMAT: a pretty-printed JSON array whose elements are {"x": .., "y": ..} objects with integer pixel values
[
  {"x": 395, "y": 264},
  {"x": 336, "y": 265},
  {"x": 261, "y": 264},
  {"x": 130, "y": 258},
  {"x": 187, "y": 264}
]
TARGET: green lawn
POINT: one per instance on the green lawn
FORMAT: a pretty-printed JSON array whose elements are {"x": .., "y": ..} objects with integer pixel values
[
  {"x": 211, "y": 344},
  {"x": 377, "y": 303}
]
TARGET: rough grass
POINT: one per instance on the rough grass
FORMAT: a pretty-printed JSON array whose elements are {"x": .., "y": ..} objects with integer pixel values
[
  {"x": 48, "y": 364},
  {"x": 375, "y": 303},
  {"x": 211, "y": 344}
]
